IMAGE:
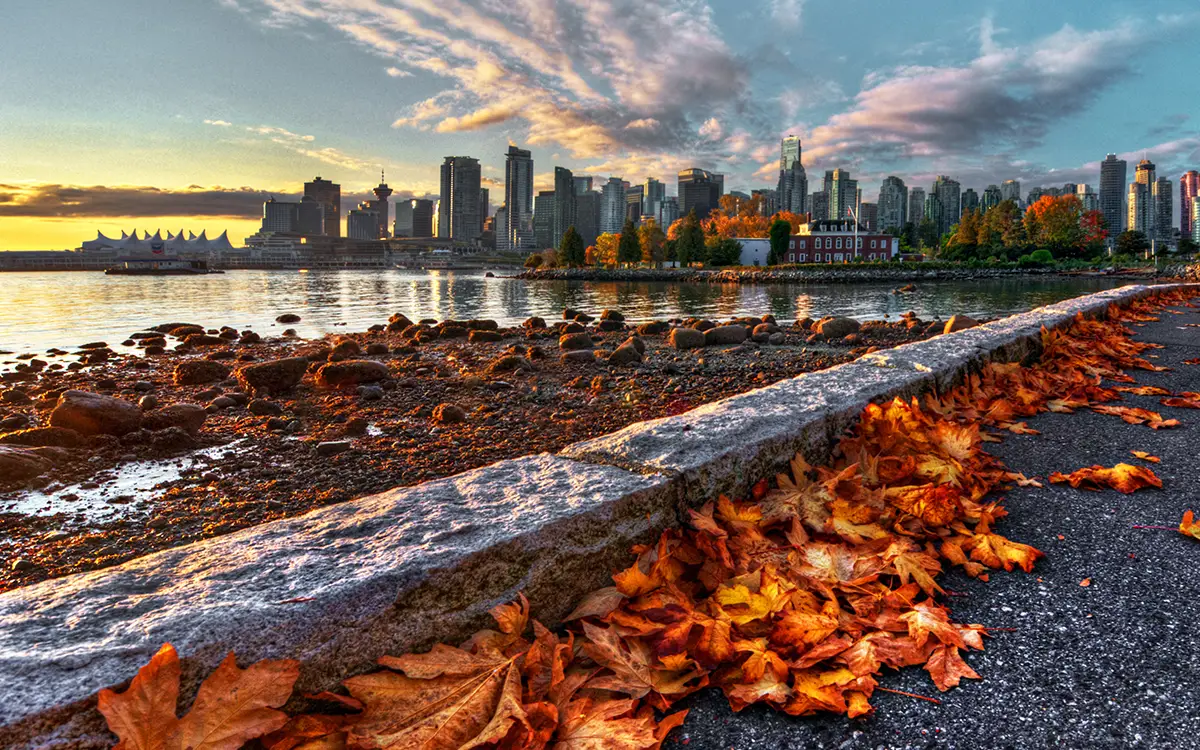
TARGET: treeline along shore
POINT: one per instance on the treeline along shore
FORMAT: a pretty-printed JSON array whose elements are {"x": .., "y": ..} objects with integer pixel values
[{"x": 786, "y": 274}]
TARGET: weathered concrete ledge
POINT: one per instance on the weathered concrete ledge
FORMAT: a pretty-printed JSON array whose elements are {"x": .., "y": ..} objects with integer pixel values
[{"x": 340, "y": 586}]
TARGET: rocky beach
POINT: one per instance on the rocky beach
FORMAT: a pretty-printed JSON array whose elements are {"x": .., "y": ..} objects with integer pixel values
[{"x": 109, "y": 451}]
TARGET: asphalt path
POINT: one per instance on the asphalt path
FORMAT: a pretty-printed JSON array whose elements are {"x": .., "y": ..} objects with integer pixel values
[{"x": 1114, "y": 664}]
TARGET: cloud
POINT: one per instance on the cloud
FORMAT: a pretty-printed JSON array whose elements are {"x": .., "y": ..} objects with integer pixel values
[
  {"x": 1169, "y": 125},
  {"x": 786, "y": 13},
  {"x": 395, "y": 72},
  {"x": 218, "y": 123},
  {"x": 68, "y": 201},
  {"x": 304, "y": 146},
  {"x": 711, "y": 129}
]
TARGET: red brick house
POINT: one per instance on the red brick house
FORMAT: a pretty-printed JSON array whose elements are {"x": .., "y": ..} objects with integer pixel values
[{"x": 833, "y": 241}]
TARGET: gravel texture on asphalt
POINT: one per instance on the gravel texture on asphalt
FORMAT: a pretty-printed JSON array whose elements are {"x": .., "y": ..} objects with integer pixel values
[{"x": 1113, "y": 664}]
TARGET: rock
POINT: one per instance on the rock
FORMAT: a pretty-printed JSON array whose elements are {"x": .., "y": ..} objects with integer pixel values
[
  {"x": 173, "y": 439},
  {"x": 276, "y": 376},
  {"x": 398, "y": 322},
  {"x": 345, "y": 349},
  {"x": 15, "y": 396},
  {"x": 685, "y": 338},
  {"x": 14, "y": 422},
  {"x": 453, "y": 332},
  {"x": 370, "y": 392},
  {"x": 352, "y": 372},
  {"x": 776, "y": 339},
  {"x": 277, "y": 424},
  {"x": 725, "y": 335},
  {"x": 222, "y": 402},
  {"x": 21, "y": 463},
  {"x": 610, "y": 325},
  {"x": 95, "y": 414},
  {"x": 836, "y": 327},
  {"x": 804, "y": 323},
  {"x": 148, "y": 403},
  {"x": 159, "y": 522},
  {"x": 228, "y": 335},
  {"x": 377, "y": 349},
  {"x": 569, "y": 314},
  {"x": 959, "y": 323},
  {"x": 572, "y": 327},
  {"x": 250, "y": 337},
  {"x": 612, "y": 315},
  {"x": 449, "y": 414},
  {"x": 188, "y": 417},
  {"x": 482, "y": 325},
  {"x": 332, "y": 447},
  {"x": 534, "y": 322},
  {"x": 152, "y": 350},
  {"x": 508, "y": 363},
  {"x": 579, "y": 356},
  {"x": 625, "y": 354},
  {"x": 288, "y": 318},
  {"x": 199, "y": 372},
  {"x": 574, "y": 341},
  {"x": 356, "y": 426},
  {"x": 22, "y": 565},
  {"x": 143, "y": 386},
  {"x": 93, "y": 345},
  {"x": 58, "y": 437},
  {"x": 479, "y": 336},
  {"x": 203, "y": 339},
  {"x": 263, "y": 408},
  {"x": 653, "y": 328}
]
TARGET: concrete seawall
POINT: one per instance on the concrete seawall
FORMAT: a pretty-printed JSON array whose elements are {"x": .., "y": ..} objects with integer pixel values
[{"x": 343, "y": 585}]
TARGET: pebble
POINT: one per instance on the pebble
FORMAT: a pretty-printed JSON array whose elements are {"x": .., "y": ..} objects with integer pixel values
[
  {"x": 332, "y": 447},
  {"x": 370, "y": 392}
]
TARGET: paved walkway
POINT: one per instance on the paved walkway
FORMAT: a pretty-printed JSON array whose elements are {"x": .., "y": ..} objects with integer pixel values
[{"x": 1115, "y": 664}]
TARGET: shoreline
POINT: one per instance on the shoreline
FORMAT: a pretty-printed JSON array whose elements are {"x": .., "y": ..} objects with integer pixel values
[
  {"x": 847, "y": 274},
  {"x": 440, "y": 399}
]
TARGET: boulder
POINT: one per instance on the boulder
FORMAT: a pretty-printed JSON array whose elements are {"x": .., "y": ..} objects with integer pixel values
[
  {"x": 95, "y": 414},
  {"x": 288, "y": 318},
  {"x": 835, "y": 327},
  {"x": 776, "y": 339},
  {"x": 725, "y": 335},
  {"x": 345, "y": 349},
  {"x": 610, "y": 325},
  {"x": 704, "y": 325},
  {"x": 199, "y": 372},
  {"x": 352, "y": 372},
  {"x": 449, "y": 414},
  {"x": 187, "y": 417},
  {"x": 625, "y": 354},
  {"x": 57, "y": 437},
  {"x": 575, "y": 341},
  {"x": 377, "y": 349},
  {"x": 612, "y": 315},
  {"x": 653, "y": 328},
  {"x": 276, "y": 376},
  {"x": 508, "y": 363},
  {"x": 15, "y": 396},
  {"x": 21, "y": 463},
  {"x": 482, "y": 325},
  {"x": 959, "y": 323},
  {"x": 534, "y": 322},
  {"x": 579, "y": 356},
  {"x": 398, "y": 322},
  {"x": 262, "y": 408},
  {"x": 453, "y": 332},
  {"x": 484, "y": 336},
  {"x": 685, "y": 338},
  {"x": 203, "y": 339},
  {"x": 571, "y": 328}
]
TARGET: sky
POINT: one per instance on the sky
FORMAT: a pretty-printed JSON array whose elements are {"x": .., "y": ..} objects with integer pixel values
[{"x": 145, "y": 114}]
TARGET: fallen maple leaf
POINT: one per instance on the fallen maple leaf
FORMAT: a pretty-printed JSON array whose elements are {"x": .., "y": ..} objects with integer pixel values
[
  {"x": 1181, "y": 403},
  {"x": 232, "y": 706},
  {"x": 1145, "y": 456},
  {"x": 1188, "y": 526},
  {"x": 1124, "y": 478},
  {"x": 1134, "y": 415}
]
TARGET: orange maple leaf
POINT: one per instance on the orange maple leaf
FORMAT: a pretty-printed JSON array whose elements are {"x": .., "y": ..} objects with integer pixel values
[
  {"x": 1124, "y": 478},
  {"x": 1188, "y": 526}
]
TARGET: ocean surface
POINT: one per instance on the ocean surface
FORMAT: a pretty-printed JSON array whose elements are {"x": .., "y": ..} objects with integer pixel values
[{"x": 40, "y": 310}]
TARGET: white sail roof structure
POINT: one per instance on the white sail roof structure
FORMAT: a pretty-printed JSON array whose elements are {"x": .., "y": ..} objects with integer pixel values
[{"x": 155, "y": 245}]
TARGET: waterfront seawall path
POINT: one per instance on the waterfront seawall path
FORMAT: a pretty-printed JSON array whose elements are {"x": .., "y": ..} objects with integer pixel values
[{"x": 1113, "y": 664}]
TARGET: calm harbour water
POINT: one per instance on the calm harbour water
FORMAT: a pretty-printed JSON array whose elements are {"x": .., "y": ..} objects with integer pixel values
[{"x": 65, "y": 309}]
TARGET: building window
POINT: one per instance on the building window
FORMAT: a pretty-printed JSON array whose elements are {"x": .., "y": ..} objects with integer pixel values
[
  {"x": 803, "y": 243},
  {"x": 839, "y": 243},
  {"x": 792, "y": 256},
  {"x": 792, "y": 245},
  {"x": 872, "y": 245},
  {"x": 858, "y": 243},
  {"x": 803, "y": 257}
]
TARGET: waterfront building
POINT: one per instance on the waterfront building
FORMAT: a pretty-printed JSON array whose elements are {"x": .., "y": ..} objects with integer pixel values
[
  {"x": 458, "y": 213},
  {"x": 516, "y": 233},
  {"x": 1112, "y": 194},
  {"x": 156, "y": 244},
  {"x": 843, "y": 195},
  {"x": 933, "y": 211},
  {"x": 382, "y": 192},
  {"x": 916, "y": 206},
  {"x": 362, "y": 223},
  {"x": 612, "y": 206},
  {"x": 311, "y": 217},
  {"x": 499, "y": 222},
  {"x": 699, "y": 191},
  {"x": 1189, "y": 190},
  {"x": 280, "y": 216},
  {"x": 792, "y": 189},
  {"x": 1142, "y": 215},
  {"x": 543, "y": 220},
  {"x": 1196, "y": 221},
  {"x": 1010, "y": 190},
  {"x": 839, "y": 241},
  {"x": 869, "y": 216},
  {"x": 414, "y": 218},
  {"x": 991, "y": 198},
  {"x": 564, "y": 203},
  {"x": 818, "y": 205},
  {"x": 653, "y": 193},
  {"x": 668, "y": 212},
  {"x": 329, "y": 194},
  {"x": 633, "y": 202},
  {"x": 587, "y": 216},
  {"x": 1088, "y": 200},
  {"x": 893, "y": 203},
  {"x": 949, "y": 195},
  {"x": 583, "y": 185},
  {"x": 970, "y": 201},
  {"x": 1164, "y": 211}
]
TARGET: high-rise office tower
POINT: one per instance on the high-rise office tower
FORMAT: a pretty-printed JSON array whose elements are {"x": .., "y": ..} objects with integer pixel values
[
  {"x": 517, "y": 232},
  {"x": 330, "y": 195},
  {"x": 311, "y": 217},
  {"x": 1142, "y": 214},
  {"x": 1112, "y": 194},
  {"x": 792, "y": 190},
  {"x": 699, "y": 191},
  {"x": 1164, "y": 211},
  {"x": 916, "y": 205},
  {"x": 991, "y": 198},
  {"x": 842, "y": 195},
  {"x": 653, "y": 193},
  {"x": 458, "y": 215},
  {"x": 869, "y": 216},
  {"x": 485, "y": 207},
  {"x": 633, "y": 202},
  {"x": 583, "y": 185},
  {"x": 1189, "y": 190},
  {"x": 949, "y": 195},
  {"x": 564, "y": 203},
  {"x": 612, "y": 206},
  {"x": 970, "y": 201},
  {"x": 280, "y": 216},
  {"x": 1010, "y": 190},
  {"x": 668, "y": 212},
  {"x": 818, "y": 205},
  {"x": 543, "y": 220},
  {"x": 1088, "y": 200},
  {"x": 587, "y": 216},
  {"x": 362, "y": 223},
  {"x": 893, "y": 203}
]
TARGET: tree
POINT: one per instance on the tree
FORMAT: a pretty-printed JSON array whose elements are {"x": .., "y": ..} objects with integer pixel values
[
  {"x": 589, "y": 256},
  {"x": 781, "y": 235},
  {"x": 606, "y": 249},
  {"x": 533, "y": 261},
  {"x": 723, "y": 251},
  {"x": 1132, "y": 242},
  {"x": 1095, "y": 232},
  {"x": 629, "y": 250},
  {"x": 1053, "y": 222},
  {"x": 1188, "y": 246},
  {"x": 689, "y": 241},
  {"x": 571, "y": 250},
  {"x": 927, "y": 234},
  {"x": 652, "y": 241}
]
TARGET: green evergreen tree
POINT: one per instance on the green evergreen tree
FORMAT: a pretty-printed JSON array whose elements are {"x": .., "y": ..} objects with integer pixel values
[
  {"x": 571, "y": 250},
  {"x": 780, "y": 234},
  {"x": 630, "y": 249},
  {"x": 689, "y": 244}
]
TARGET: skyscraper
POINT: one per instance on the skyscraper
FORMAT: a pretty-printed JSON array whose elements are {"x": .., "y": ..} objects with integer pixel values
[
  {"x": 869, "y": 216},
  {"x": 818, "y": 205},
  {"x": 1112, "y": 194},
  {"x": 1164, "y": 211},
  {"x": 582, "y": 185},
  {"x": 991, "y": 198},
  {"x": 458, "y": 215},
  {"x": 1142, "y": 214},
  {"x": 1010, "y": 190},
  {"x": 842, "y": 195},
  {"x": 564, "y": 203},
  {"x": 653, "y": 193},
  {"x": 970, "y": 201},
  {"x": 280, "y": 216},
  {"x": 699, "y": 191},
  {"x": 633, "y": 202},
  {"x": 517, "y": 232},
  {"x": 543, "y": 220},
  {"x": 311, "y": 217},
  {"x": 329, "y": 194},
  {"x": 485, "y": 206},
  {"x": 1189, "y": 190},
  {"x": 587, "y": 215},
  {"x": 1088, "y": 200},
  {"x": 893, "y": 203},
  {"x": 949, "y": 197},
  {"x": 362, "y": 223},
  {"x": 916, "y": 205},
  {"x": 612, "y": 206},
  {"x": 792, "y": 191},
  {"x": 668, "y": 212}
]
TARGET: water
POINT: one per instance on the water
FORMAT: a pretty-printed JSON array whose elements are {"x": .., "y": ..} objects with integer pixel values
[{"x": 40, "y": 310}]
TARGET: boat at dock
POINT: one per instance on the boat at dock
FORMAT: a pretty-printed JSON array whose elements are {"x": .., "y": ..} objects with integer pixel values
[{"x": 160, "y": 267}]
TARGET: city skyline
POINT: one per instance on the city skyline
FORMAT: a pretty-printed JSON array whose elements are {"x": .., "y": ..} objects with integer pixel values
[{"x": 1038, "y": 96}]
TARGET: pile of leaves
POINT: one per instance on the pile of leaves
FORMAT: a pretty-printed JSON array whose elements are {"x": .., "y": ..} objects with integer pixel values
[{"x": 796, "y": 597}]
